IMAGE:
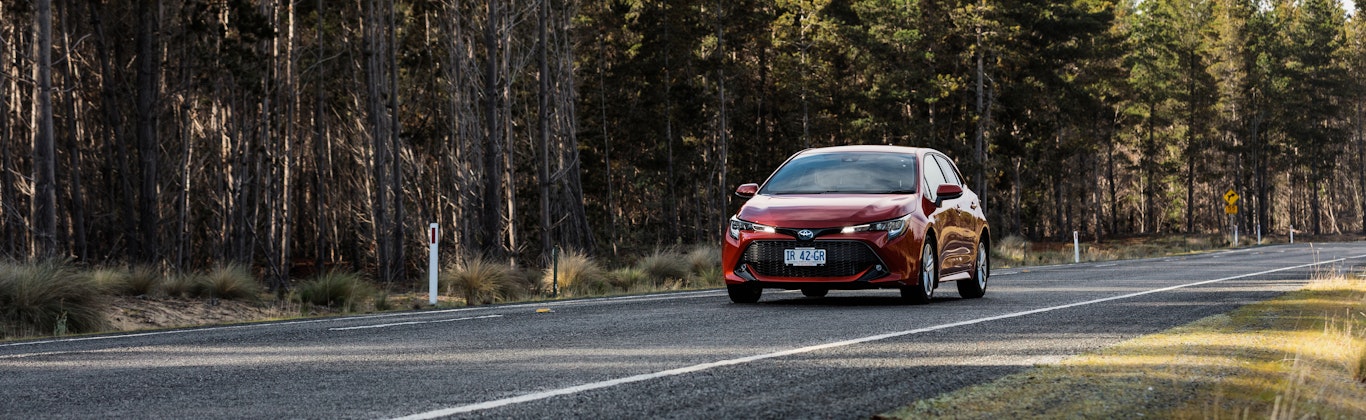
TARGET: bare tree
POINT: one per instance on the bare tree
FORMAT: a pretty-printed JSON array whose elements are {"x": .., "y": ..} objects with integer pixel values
[{"x": 44, "y": 152}]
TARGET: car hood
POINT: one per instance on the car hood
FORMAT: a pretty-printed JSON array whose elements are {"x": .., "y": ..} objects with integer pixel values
[{"x": 825, "y": 210}]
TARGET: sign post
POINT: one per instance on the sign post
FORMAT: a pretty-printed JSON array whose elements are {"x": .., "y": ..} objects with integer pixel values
[
  {"x": 433, "y": 234},
  {"x": 1231, "y": 197}
]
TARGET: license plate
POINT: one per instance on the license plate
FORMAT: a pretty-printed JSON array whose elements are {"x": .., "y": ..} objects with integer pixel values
[{"x": 804, "y": 257}]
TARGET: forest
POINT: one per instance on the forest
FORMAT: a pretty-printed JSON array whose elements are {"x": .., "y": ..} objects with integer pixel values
[{"x": 187, "y": 133}]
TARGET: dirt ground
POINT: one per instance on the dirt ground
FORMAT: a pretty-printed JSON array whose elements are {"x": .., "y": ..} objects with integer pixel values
[{"x": 142, "y": 313}]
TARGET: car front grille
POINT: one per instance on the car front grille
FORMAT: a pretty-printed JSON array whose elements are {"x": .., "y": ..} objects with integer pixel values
[{"x": 842, "y": 258}]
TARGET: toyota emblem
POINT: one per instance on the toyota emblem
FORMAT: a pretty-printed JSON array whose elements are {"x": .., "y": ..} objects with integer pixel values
[{"x": 805, "y": 234}]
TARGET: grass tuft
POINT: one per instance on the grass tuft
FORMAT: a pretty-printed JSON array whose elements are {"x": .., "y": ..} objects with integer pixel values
[
  {"x": 48, "y": 297},
  {"x": 1011, "y": 250},
  {"x": 232, "y": 281},
  {"x": 664, "y": 267},
  {"x": 336, "y": 289},
  {"x": 578, "y": 275},
  {"x": 704, "y": 266},
  {"x": 183, "y": 285},
  {"x": 476, "y": 279},
  {"x": 627, "y": 278}
]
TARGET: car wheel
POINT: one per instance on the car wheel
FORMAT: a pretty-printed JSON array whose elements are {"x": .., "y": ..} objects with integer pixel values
[
  {"x": 976, "y": 286},
  {"x": 814, "y": 292},
  {"x": 740, "y": 293},
  {"x": 929, "y": 275}
]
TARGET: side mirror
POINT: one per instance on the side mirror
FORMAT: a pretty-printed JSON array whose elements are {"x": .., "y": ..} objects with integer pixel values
[
  {"x": 947, "y": 192},
  {"x": 747, "y": 190}
]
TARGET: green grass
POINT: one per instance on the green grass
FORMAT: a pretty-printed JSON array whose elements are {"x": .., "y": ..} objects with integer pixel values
[
  {"x": 48, "y": 298},
  {"x": 665, "y": 267},
  {"x": 1297, "y": 356}
]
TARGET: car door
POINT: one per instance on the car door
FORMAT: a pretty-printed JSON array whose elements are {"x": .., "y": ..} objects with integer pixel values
[
  {"x": 933, "y": 176},
  {"x": 958, "y": 225}
]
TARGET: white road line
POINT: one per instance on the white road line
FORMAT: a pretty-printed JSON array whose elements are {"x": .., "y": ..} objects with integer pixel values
[
  {"x": 618, "y": 299},
  {"x": 1107, "y": 265},
  {"x": 730, "y": 362},
  {"x": 397, "y": 324}
]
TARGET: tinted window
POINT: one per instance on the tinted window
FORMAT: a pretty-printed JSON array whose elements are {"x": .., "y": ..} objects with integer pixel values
[
  {"x": 934, "y": 175},
  {"x": 950, "y": 173},
  {"x": 849, "y": 172}
]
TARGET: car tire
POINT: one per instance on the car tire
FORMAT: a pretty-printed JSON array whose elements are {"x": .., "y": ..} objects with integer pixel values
[
  {"x": 814, "y": 292},
  {"x": 740, "y": 293},
  {"x": 923, "y": 290},
  {"x": 976, "y": 286}
]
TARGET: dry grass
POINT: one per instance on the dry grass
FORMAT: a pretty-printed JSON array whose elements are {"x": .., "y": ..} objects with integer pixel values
[
  {"x": 704, "y": 267},
  {"x": 577, "y": 275},
  {"x": 1014, "y": 251},
  {"x": 627, "y": 279},
  {"x": 665, "y": 267},
  {"x": 182, "y": 285},
  {"x": 48, "y": 297},
  {"x": 476, "y": 280},
  {"x": 336, "y": 289},
  {"x": 1298, "y": 356},
  {"x": 232, "y": 281}
]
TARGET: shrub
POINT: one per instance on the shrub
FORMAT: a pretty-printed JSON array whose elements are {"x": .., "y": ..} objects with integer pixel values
[
  {"x": 475, "y": 279},
  {"x": 232, "y": 281},
  {"x": 663, "y": 266},
  {"x": 626, "y": 278},
  {"x": 577, "y": 275},
  {"x": 336, "y": 289},
  {"x": 48, "y": 297}
]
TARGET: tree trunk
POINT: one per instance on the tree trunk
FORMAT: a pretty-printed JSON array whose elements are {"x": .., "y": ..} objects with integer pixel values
[
  {"x": 543, "y": 124},
  {"x": 9, "y": 219},
  {"x": 148, "y": 99},
  {"x": 44, "y": 150},
  {"x": 490, "y": 239},
  {"x": 74, "y": 134},
  {"x": 397, "y": 260}
]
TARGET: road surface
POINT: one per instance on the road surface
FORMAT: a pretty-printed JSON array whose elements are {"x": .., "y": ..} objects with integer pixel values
[{"x": 676, "y": 355}]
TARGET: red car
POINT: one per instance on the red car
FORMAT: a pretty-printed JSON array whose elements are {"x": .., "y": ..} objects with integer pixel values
[{"x": 858, "y": 217}]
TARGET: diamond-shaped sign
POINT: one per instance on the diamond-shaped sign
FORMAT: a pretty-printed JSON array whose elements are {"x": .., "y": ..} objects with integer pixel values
[{"x": 1231, "y": 197}]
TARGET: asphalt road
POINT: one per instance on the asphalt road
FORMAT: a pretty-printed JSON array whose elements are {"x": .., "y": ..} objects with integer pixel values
[{"x": 677, "y": 355}]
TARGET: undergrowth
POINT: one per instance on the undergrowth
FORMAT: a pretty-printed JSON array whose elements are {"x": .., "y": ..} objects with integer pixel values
[
  {"x": 48, "y": 298},
  {"x": 347, "y": 291}
]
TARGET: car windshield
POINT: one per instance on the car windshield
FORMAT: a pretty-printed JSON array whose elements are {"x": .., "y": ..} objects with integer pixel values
[{"x": 845, "y": 172}]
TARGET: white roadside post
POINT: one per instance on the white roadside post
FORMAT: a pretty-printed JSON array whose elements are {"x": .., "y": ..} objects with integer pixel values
[
  {"x": 433, "y": 233},
  {"x": 1076, "y": 248}
]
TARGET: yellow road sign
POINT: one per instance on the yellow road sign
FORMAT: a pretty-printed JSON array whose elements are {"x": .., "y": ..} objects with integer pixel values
[
  {"x": 1231, "y": 197},
  {"x": 1231, "y": 209}
]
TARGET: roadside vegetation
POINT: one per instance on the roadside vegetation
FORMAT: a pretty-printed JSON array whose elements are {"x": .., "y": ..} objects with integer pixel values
[
  {"x": 57, "y": 297},
  {"x": 1014, "y": 251},
  {"x": 1302, "y": 355}
]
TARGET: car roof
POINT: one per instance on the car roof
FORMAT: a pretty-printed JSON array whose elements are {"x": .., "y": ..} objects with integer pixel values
[{"x": 867, "y": 148}]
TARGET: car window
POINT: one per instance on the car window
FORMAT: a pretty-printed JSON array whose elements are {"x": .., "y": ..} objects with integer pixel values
[
  {"x": 950, "y": 174},
  {"x": 934, "y": 176},
  {"x": 848, "y": 172}
]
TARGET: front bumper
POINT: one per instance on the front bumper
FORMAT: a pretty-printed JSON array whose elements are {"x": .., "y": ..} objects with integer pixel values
[{"x": 854, "y": 261}]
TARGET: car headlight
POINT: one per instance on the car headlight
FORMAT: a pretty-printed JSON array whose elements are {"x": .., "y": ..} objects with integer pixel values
[
  {"x": 737, "y": 225},
  {"x": 894, "y": 228}
]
